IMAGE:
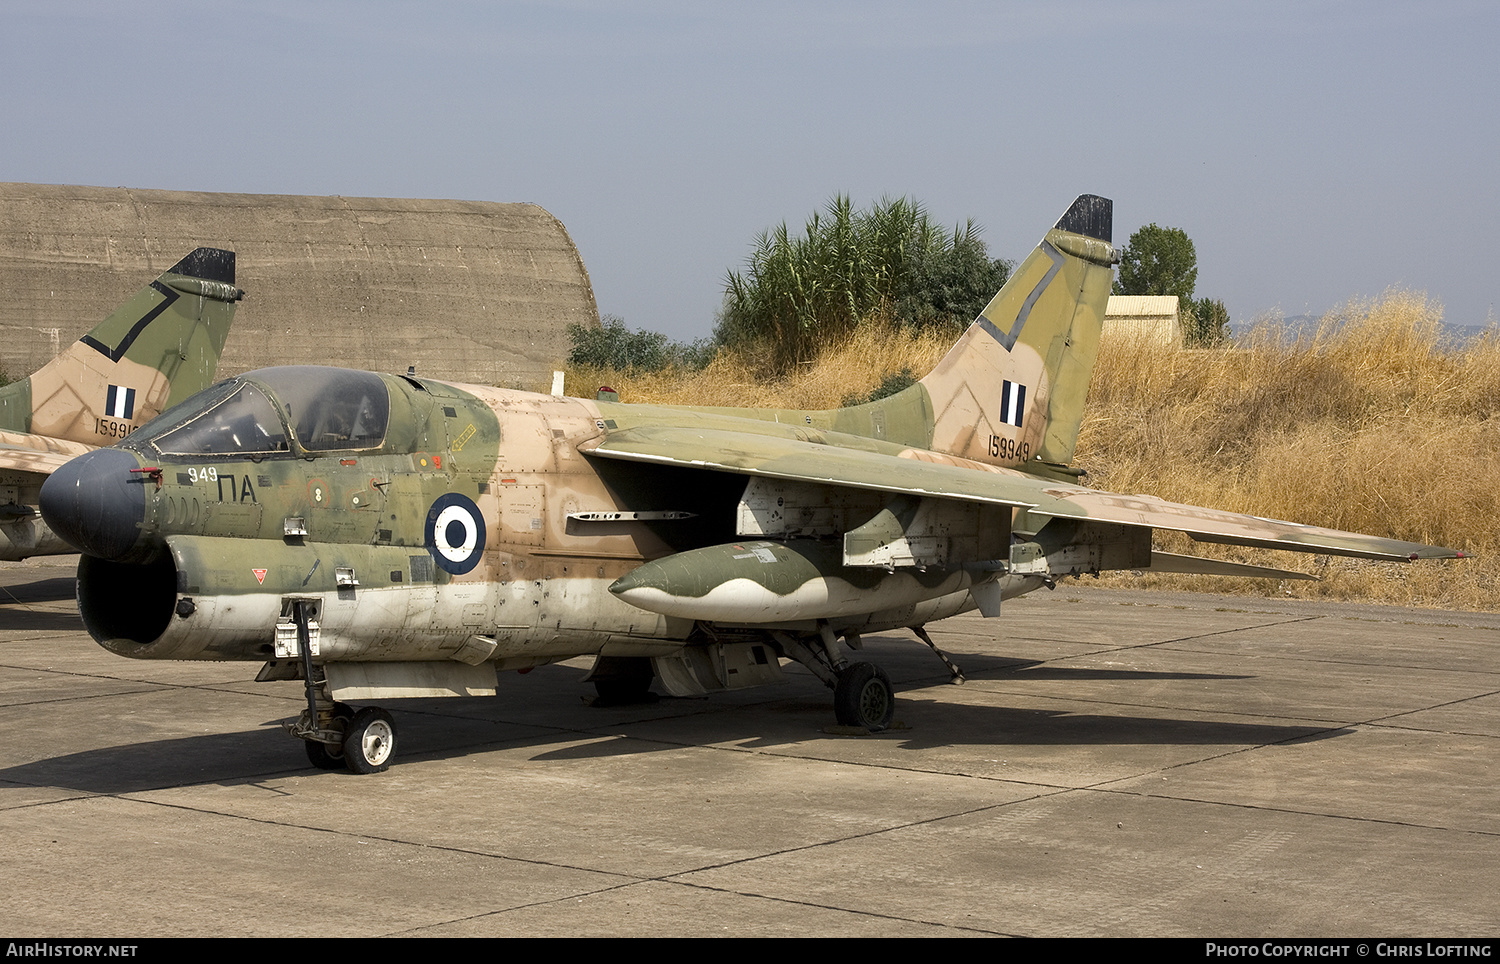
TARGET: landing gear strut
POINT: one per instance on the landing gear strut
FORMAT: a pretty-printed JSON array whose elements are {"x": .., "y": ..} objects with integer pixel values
[
  {"x": 336, "y": 735},
  {"x": 330, "y": 756}
]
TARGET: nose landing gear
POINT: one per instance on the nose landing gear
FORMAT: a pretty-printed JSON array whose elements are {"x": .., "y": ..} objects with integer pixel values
[{"x": 336, "y": 735}]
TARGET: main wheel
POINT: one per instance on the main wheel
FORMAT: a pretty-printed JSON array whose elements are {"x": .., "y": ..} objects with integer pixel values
[
  {"x": 863, "y": 697},
  {"x": 369, "y": 741}
]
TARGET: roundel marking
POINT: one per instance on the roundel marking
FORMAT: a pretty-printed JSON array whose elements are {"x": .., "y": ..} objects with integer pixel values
[{"x": 455, "y": 533}]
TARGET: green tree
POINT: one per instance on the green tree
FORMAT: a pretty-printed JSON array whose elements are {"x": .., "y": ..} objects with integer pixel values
[
  {"x": 798, "y": 292},
  {"x": 1205, "y": 323},
  {"x": 951, "y": 282},
  {"x": 1158, "y": 261},
  {"x": 614, "y": 345}
]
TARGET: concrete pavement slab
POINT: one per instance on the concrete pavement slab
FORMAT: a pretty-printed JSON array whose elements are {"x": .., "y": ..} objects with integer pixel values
[{"x": 1119, "y": 763}]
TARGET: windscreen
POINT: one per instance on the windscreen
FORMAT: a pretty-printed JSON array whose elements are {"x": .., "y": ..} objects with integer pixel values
[
  {"x": 331, "y": 409},
  {"x": 245, "y": 423}
]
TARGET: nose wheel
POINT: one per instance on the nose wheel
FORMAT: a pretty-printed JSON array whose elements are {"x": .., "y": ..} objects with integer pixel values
[
  {"x": 369, "y": 741},
  {"x": 364, "y": 741}
]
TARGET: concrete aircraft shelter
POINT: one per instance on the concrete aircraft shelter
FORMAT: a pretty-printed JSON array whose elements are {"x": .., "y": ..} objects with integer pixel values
[{"x": 468, "y": 291}]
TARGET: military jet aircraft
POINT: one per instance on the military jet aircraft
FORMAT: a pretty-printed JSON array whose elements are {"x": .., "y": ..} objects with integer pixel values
[
  {"x": 380, "y": 536},
  {"x": 155, "y": 350}
]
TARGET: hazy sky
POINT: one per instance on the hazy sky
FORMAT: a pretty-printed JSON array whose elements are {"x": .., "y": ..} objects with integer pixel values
[{"x": 1314, "y": 152}]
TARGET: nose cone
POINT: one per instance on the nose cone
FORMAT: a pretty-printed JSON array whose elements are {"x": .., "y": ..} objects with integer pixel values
[{"x": 96, "y": 504}]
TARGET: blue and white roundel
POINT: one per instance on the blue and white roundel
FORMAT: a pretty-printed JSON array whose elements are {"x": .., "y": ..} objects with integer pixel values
[{"x": 455, "y": 533}]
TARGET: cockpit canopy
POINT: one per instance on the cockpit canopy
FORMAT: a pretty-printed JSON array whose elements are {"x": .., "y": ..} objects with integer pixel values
[{"x": 266, "y": 413}]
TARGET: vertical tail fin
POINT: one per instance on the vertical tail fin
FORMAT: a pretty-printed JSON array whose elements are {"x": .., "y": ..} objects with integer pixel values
[
  {"x": 1013, "y": 387},
  {"x": 159, "y": 347}
]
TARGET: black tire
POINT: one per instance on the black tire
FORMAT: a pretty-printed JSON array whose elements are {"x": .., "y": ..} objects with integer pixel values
[
  {"x": 324, "y": 756},
  {"x": 863, "y": 697},
  {"x": 330, "y": 756},
  {"x": 369, "y": 741}
]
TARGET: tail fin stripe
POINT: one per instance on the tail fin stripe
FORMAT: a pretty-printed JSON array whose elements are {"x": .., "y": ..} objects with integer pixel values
[
  {"x": 1012, "y": 402},
  {"x": 120, "y": 402},
  {"x": 1008, "y": 339},
  {"x": 115, "y": 354}
]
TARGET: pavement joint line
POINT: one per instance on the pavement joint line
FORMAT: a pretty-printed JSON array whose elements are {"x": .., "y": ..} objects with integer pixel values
[
  {"x": 1326, "y": 660},
  {"x": 44, "y": 635},
  {"x": 1166, "y": 707},
  {"x": 1429, "y": 730},
  {"x": 874, "y": 832},
  {"x": 573, "y": 898},
  {"x": 132, "y": 797},
  {"x": 78, "y": 795},
  {"x": 1217, "y": 632},
  {"x": 18, "y": 601},
  {"x": 1105, "y": 787},
  {"x": 1351, "y": 818},
  {"x": 626, "y": 880},
  {"x": 80, "y": 699},
  {"x": 1381, "y": 720},
  {"x": 843, "y": 910},
  {"x": 1105, "y": 648}
]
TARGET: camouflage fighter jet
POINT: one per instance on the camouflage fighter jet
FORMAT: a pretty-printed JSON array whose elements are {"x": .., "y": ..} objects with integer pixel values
[
  {"x": 380, "y": 536},
  {"x": 157, "y": 349}
]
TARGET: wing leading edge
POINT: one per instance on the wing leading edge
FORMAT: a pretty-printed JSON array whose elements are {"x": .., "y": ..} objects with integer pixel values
[{"x": 923, "y": 473}]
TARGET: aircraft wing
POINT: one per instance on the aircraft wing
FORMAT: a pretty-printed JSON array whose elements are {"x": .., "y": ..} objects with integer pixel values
[
  {"x": 38, "y": 454},
  {"x": 949, "y": 477},
  {"x": 25, "y": 462}
]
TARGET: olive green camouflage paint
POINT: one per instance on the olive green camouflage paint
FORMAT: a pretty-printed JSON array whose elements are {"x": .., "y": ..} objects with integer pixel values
[
  {"x": 164, "y": 342},
  {"x": 615, "y": 529}
]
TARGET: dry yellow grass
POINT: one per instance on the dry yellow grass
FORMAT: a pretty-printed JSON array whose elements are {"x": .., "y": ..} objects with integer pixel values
[
  {"x": 856, "y": 364},
  {"x": 1369, "y": 423}
]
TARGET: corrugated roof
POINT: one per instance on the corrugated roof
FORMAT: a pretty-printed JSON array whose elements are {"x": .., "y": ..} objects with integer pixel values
[{"x": 1127, "y": 305}]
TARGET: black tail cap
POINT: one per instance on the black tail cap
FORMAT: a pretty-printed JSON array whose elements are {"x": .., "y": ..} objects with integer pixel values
[{"x": 1090, "y": 215}]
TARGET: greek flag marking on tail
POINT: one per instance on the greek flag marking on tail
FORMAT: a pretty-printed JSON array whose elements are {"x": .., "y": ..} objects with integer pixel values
[
  {"x": 120, "y": 402},
  {"x": 1012, "y": 403}
]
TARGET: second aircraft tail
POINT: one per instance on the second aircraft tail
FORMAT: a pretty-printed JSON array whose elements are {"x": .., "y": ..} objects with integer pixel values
[{"x": 156, "y": 349}]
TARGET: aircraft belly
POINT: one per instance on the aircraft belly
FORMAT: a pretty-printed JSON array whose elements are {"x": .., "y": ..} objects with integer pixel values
[{"x": 578, "y": 615}]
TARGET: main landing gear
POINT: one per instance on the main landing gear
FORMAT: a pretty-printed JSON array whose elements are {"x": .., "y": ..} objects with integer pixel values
[{"x": 862, "y": 694}]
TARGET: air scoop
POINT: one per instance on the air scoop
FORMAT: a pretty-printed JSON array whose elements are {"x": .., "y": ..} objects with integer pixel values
[{"x": 97, "y": 502}]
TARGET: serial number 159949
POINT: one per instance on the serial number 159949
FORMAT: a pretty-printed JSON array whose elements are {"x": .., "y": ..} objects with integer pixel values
[{"x": 1009, "y": 449}]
